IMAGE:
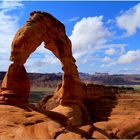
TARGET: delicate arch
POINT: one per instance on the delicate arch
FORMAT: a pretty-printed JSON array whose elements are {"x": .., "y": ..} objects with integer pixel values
[{"x": 42, "y": 27}]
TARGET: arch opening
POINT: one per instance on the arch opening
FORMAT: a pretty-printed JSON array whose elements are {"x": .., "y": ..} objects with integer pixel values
[{"x": 42, "y": 61}]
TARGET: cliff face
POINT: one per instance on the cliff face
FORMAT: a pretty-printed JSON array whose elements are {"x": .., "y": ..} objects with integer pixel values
[{"x": 91, "y": 92}]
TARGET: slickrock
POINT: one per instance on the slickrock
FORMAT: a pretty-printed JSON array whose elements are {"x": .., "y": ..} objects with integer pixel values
[{"x": 25, "y": 122}]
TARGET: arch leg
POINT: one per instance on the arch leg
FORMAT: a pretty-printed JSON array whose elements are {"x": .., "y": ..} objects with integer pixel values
[
  {"x": 71, "y": 88},
  {"x": 15, "y": 86}
]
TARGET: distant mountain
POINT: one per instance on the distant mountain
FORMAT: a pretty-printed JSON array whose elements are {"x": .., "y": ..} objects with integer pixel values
[
  {"x": 117, "y": 79},
  {"x": 51, "y": 79}
]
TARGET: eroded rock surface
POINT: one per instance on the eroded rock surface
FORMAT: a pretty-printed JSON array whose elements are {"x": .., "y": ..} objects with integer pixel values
[{"x": 25, "y": 122}]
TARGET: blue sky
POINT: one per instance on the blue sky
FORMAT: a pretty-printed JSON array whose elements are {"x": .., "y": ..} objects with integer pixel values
[{"x": 105, "y": 35}]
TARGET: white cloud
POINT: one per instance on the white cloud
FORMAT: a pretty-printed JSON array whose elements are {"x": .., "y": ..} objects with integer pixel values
[
  {"x": 129, "y": 57},
  {"x": 8, "y": 27},
  {"x": 88, "y": 36},
  {"x": 130, "y": 20},
  {"x": 138, "y": 68},
  {"x": 51, "y": 60},
  {"x": 8, "y": 5},
  {"x": 130, "y": 70},
  {"x": 48, "y": 63},
  {"x": 110, "y": 51},
  {"x": 73, "y": 19},
  {"x": 122, "y": 50},
  {"x": 106, "y": 59},
  {"x": 8, "y": 24},
  {"x": 89, "y": 32},
  {"x": 42, "y": 60}
]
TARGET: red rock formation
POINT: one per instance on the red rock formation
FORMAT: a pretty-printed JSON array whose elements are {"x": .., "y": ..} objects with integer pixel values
[{"x": 42, "y": 27}]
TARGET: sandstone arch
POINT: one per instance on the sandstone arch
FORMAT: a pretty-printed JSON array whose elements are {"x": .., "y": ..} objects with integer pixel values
[{"x": 41, "y": 27}]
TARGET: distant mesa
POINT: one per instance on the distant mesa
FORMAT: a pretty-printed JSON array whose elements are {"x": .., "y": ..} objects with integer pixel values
[
  {"x": 51, "y": 79},
  {"x": 101, "y": 74}
]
